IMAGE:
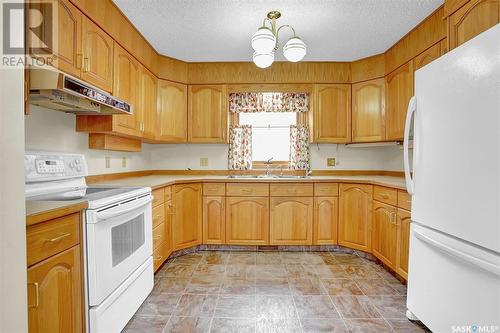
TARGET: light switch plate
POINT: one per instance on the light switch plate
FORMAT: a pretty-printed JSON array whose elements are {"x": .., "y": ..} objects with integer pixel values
[
  {"x": 107, "y": 161},
  {"x": 203, "y": 161},
  {"x": 124, "y": 162},
  {"x": 330, "y": 161}
]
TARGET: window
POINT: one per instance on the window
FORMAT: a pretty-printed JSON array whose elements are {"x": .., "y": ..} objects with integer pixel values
[{"x": 270, "y": 134}]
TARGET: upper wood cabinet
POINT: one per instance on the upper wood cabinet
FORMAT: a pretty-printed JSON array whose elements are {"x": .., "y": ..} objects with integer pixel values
[
  {"x": 214, "y": 220},
  {"x": 291, "y": 221},
  {"x": 97, "y": 48},
  {"x": 368, "y": 111},
  {"x": 187, "y": 221},
  {"x": 55, "y": 294},
  {"x": 247, "y": 220},
  {"x": 332, "y": 113},
  {"x": 355, "y": 216},
  {"x": 399, "y": 90},
  {"x": 470, "y": 20},
  {"x": 207, "y": 114},
  {"x": 403, "y": 242},
  {"x": 326, "y": 211},
  {"x": 428, "y": 56},
  {"x": 384, "y": 233},
  {"x": 172, "y": 112},
  {"x": 126, "y": 74},
  {"x": 148, "y": 103}
]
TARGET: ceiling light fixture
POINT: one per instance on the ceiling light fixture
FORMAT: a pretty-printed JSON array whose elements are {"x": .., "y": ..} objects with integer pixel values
[{"x": 265, "y": 43}]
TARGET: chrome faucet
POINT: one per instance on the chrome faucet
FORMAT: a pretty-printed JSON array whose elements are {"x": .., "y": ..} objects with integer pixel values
[{"x": 268, "y": 166}]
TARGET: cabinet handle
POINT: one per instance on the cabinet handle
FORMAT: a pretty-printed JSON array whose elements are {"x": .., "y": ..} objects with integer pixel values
[
  {"x": 159, "y": 258},
  {"x": 58, "y": 238},
  {"x": 171, "y": 212},
  {"x": 37, "y": 294},
  {"x": 157, "y": 237},
  {"x": 384, "y": 196},
  {"x": 86, "y": 64},
  {"x": 393, "y": 219}
]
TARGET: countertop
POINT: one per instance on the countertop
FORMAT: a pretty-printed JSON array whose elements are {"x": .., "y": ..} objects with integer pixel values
[{"x": 40, "y": 211}]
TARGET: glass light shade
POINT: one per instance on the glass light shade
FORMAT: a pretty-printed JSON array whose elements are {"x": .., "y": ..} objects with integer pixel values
[
  {"x": 263, "y": 41},
  {"x": 263, "y": 60},
  {"x": 294, "y": 50}
]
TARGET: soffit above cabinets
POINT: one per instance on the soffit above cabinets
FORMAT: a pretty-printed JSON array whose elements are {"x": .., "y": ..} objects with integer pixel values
[{"x": 220, "y": 30}]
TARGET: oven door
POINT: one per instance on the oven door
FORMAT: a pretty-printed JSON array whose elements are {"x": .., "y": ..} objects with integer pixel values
[{"x": 119, "y": 240}]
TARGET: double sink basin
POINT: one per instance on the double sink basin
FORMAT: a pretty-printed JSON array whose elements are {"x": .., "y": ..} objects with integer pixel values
[{"x": 268, "y": 177}]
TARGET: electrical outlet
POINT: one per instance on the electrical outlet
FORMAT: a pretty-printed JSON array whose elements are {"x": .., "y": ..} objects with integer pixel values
[
  {"x": 124, "y": 162},
  {"x": 203, "y": 161},
  {"x": 107, "y": 161},
  {"x": 330, "y": 161}
]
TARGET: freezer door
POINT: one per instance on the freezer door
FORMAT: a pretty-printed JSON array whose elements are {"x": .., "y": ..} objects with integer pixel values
[
  {"x": 456, "y": 156},
  {"x": 452, "y": 284}
]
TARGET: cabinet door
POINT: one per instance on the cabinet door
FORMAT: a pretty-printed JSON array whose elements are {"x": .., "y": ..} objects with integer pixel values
[
  {"x": 172, "y": 111},
  {"x": 55, "y": 294},
  {"x": 326, "y": 211},
  {"x": 126, "y": 87},
  {"x": 403, "y": 235},
  {"x": 472, "y": 19},
  {"x": 187, "y": 224},
  {"x": 368, "y": 111},
  {"x": 428, "y": 56},
  {"x": 355, "y": 211},
  {"x": 214, "y": 220},
  {"x": 332, "y": 113},
  {"x": 247, "y": 220},
  {"x": 384, "y": 233},
  {"x": 97, "y": 56},
  {"x": 148, "y": 103},
  {"x": 291, "y": 221},
  {"x": 207, "y": 114},
  {"x": 399, "y": 90}
]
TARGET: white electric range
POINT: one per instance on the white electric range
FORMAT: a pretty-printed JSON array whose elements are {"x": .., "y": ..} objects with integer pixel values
[{"x": 117, "y": 233}]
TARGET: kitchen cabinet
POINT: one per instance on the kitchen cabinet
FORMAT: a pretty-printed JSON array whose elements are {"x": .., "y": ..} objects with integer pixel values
[
  {"x": 355, "y": 211},
  {"x": 326, "y": 211},
  {"x": 214, "y": 220},
  {"x": 428, "y": 56},
  {"x": 332, "y": 113},
  {"x": 384, "y": 233},
  {"x": 148, "y": 103},
  {"x": 187, "y": 218},
  {"x": 291, "y": 221},
  {"x": 368, "y": 111},
  {"x": 247, "y": 220},
  {"x": 97, "y": 48},
  {"x": 470, "y": 20},
  {"x": 207, "y": 114},
  {"x": 403, "y": 242},
  {"x": 172, "y": 112},
  {"x": 399, "y": 90},
  {"x": 126, "y": 73}
]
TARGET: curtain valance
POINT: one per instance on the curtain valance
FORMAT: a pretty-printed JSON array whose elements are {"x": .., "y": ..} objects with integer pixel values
[{"x": 268, "y": 102}]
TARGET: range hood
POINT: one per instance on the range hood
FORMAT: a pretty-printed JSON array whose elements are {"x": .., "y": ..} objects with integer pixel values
[{"x": 55, "y": 90}]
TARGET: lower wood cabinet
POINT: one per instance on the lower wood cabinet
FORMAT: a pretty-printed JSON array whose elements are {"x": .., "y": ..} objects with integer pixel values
[
  {"x": 187, "y": 221},
  {"x": 325, "y": 220},
  {"x": 403, "y": 242},
  {"x": 384, "y": 233},
  {"x": 291, "y": 221},
  {"x": 355, "y": 211},
  {"x": 247, "y": 220},
  {"x": 214, "y": 220}
]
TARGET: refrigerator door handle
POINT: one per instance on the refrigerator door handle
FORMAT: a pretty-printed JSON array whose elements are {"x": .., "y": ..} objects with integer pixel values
[
  {"x": 485, "y": 265},
  {"x": 412, "y": 108}
]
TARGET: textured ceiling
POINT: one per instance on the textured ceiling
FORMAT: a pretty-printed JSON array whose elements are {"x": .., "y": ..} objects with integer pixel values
[{"x": 220, "y": 30}]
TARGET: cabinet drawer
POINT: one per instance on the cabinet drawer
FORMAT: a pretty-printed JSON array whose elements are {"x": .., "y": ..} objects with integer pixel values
[
  {"x": 326, "y": 189},
  {"x": 291, "y": 190},
  {"x": 159, "y": 233},
  {"x": 158, "y": 215},
  {"x": 404, "y": 200},
  {"x": 385, "y": 194},
  {"x": 168, "y": 193},
  {"x": 51, "y": 237},
  {"x": 214, "y": 189},
  {"x": 247, "y": 190},
  {"x": 158, "y": 197},
  {"x": 159, "y": 256}
]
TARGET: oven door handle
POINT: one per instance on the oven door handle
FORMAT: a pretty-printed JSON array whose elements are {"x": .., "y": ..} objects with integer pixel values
[{"x": 121, "y": 210}]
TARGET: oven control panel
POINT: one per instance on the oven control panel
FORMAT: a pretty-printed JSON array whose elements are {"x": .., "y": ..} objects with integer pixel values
[{"x": 44, "y": 166}]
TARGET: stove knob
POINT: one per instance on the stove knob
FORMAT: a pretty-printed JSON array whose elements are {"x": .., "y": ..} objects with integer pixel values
[
  {"x": 78, "y": 168},
  {"x": 71, "y": 165},
  {"x": 77, "y": 161}
]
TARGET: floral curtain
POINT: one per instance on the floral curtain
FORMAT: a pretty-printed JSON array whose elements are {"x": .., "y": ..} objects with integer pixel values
[
  {"x": 268, "y": 102},
  {"x": 240, "y": 147},
  {"x": 300, "y": 155}
]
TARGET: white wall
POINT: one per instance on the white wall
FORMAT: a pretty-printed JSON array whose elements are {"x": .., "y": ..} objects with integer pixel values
[{"x": 55, "y": 131}]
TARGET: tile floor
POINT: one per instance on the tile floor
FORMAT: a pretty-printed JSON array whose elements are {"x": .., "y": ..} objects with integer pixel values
[{"x": 282, "y": 292}]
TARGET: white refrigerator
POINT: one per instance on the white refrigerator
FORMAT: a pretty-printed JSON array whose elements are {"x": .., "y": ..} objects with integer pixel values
[{"x": 454, "y": 265}]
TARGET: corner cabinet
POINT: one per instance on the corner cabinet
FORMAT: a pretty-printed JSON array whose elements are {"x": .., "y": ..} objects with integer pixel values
[
  {"x": 384, "y": 234},
  {"x": 172, "y": 112},
  {"x": 368, "y": 111},
  {"x": 207, "y": 114},
  {"x": 147, "y": 103},
  {"x": 355, "y": 215},
  {"x": 399, "y": 90},
  {"x": 332, "y": 113},
  {"x": 187, "y": 216},
  {"x": 247, "y": 220},
  {"x": 291, "y": 221}
]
